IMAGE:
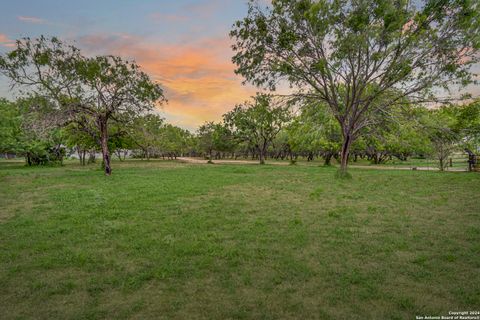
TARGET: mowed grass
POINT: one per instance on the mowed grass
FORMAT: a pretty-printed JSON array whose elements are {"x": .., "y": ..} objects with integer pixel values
[{"x": 165, "y": 240}]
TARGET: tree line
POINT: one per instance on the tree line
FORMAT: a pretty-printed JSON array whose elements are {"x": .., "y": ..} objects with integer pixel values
[
  {"x": 261, "y": 129},
  {"x": 360, "y": 75},
  {"x": 266, "y": 127}
]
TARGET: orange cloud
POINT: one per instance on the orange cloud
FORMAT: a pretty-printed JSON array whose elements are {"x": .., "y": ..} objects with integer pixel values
[
  {"x": 6, "y": 41},
  {"x": 198, "y": 77},
  {"x": 34, "y": 20}
]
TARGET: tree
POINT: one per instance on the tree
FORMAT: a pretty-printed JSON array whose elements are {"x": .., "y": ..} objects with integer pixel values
[
  {"x": 145, "y": 133},
  {"x": 396, "y": 133},
  {"x": 120, "y": 141},
  {"x": 439, "y": 126},
  {"x": 468, "y": 125},
  {"x": 223, "y": 138},
  {"x": 83, "y": 89},
  {"x": 10, "y": 127},
  {"x": 258, "y": 123},
  {"x": 78, "y": 139},
  {"x": 359, "y": 57},
  {"x": 38, "y": 135},
  {"x": 315, "y": 131},
  {"x": 205, "y": 139},
  {"x": 173, "y": 141}
]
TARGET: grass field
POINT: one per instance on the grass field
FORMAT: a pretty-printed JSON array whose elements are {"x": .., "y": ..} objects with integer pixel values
[{"x": 163, "y": 240}]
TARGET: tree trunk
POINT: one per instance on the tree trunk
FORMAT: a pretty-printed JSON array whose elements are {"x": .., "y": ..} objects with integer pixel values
[
  {"x": 261, "y": 153},
  {"x": 347, "y": 141},
  {"x": 262, "y": 157},
  {"x": 79, "y": 151},
  {"x": 104, "y": 144},
  {"x": 91, "y": 156},
  {"x": 210, "y": 156},
  {"x": 118, "y": 152},
  {"x": 328, "y": 158}
]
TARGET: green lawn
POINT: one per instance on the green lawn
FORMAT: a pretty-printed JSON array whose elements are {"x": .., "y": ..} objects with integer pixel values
[{"x": 162, "y": 240}]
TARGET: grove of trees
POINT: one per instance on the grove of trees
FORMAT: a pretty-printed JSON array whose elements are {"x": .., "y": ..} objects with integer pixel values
[
  {"x": 311, "y": 131},
  {"x": 366, "y": 79},
  {"x": 359, "y": 58}
]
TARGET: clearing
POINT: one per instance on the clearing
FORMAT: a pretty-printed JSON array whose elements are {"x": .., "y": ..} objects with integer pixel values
[{"x": 163, "y": 239}]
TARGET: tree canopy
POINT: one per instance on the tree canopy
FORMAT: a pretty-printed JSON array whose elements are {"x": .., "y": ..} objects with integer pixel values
[
  {"x": 359, "y": 57},
  {"x": 82, "y": 89},
  {"x": 258, "y": 123}
]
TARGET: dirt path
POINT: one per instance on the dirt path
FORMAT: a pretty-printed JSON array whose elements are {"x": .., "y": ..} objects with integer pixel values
[
  {"x": 193, "y": 160},
  {"x": 199, "y": 161}
]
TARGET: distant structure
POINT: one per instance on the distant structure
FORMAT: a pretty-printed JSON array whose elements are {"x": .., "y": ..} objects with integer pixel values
[
  {"x": 472, "y": 161},
  {"x": 8, "y": 155}
]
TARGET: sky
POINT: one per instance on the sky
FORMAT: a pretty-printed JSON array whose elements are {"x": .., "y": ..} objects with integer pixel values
[{"x": 183, "y": 44}]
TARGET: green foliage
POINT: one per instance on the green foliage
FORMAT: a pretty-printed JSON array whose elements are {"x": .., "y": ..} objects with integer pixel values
[
  {"x": 215, "y": 137},
  {"x": 88, "y": 91},
  {"x": 174, "y": 140},
  {"x": 26, "y": 129},
  {"x": 315, "y": 130},
  {"x": 156, "y": 138},
  {"x": 77, "y": 136},
  {"x": 205, "y": 140},
  {"x": 468, "y": 125},
  {"x": 10, "y": 127},
  {"x": 396, "y": 133},
  {"x": 358, "y": 57},
  {"x": 439, "y": 126},
  {"x": 145, "y": 132},
  {"x": 258, "y": 123}
]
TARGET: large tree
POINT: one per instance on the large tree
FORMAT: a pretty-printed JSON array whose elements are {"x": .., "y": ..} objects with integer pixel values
[
  {"x": 258, "y": 122},
  {"x": 83, "y": 89},
  {"x": 359, "y": 57}
]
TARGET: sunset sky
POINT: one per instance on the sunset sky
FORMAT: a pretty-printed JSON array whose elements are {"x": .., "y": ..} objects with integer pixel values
[{"x": 183, "y": 44}]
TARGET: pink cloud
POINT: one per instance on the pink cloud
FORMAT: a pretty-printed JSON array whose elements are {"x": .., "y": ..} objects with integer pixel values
[
  {"x": 6, "y": 41},
  {"x": 34, "y": 20}
]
